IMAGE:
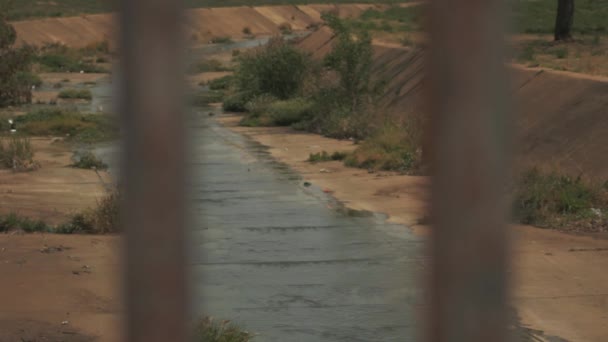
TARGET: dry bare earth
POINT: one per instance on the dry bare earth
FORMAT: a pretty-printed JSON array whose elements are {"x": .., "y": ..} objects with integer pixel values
[{"x": 201, "y": 24}]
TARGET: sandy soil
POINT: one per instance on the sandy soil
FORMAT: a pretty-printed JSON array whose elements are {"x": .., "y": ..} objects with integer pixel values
[
  {"x": 59, "y": 288},
  {"x": 49, "y": 279},
  {"x": 53, "y": 191},
  {"x": 559, "y": 281}
]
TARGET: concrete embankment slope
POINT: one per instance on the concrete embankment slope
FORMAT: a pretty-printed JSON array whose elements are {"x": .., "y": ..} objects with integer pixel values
[
  {"x": 561, "y": 118},
  {"x": 200, "y": 24}
]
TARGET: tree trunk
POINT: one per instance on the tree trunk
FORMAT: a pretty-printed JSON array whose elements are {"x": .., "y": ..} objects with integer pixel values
[{"x": 563, "y": 21}]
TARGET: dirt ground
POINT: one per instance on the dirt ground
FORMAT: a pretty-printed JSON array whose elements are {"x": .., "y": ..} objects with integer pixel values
[
  {"x": 559, "y": 283},
  {"x": 56, "y": 287},
  {"x": 59, "y": 288},
  {"x": 53, "y": 191}
]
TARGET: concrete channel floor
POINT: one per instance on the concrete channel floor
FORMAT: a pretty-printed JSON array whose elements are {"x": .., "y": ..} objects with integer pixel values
[{"x": 285, "y": 260}]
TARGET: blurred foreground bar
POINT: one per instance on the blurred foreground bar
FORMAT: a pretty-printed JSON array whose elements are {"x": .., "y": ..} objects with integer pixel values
[
  {"x": 153, "y": 170},
  {"x": 469, "y": 156}
]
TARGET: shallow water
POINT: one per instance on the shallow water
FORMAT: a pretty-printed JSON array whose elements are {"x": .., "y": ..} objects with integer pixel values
[{"x": 283, "y": 260}]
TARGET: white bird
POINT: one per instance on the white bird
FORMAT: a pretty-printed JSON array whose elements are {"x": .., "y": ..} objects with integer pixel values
[{"x": 12, "y": 126}]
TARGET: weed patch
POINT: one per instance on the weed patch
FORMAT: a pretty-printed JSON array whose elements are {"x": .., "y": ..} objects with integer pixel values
[
  {"x": 82, "y": 94},
  {"x": 207, "y": 65},
  {"x": 555, "y": 200},
  {"x": 221, "y": 83},
  {"x": 323, "y": 156},
  {"x": 85, "y": 128},
  {"x": 17, "y": 154},
  {"x": 390, "y": 148},
  {"x": 88, "y": 160},
  {"x": 210, "y": 330}
]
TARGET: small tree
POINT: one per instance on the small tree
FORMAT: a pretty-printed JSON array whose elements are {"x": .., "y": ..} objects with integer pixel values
[
  {"x": 277, "y": 69},
  {"x": 564, "y": 19},
  {"x": 351, "y": 58},
  {"x": 15, "y": 79}
]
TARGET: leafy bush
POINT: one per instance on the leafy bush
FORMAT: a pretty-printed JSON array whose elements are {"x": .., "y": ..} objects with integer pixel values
[
  {"x": 55, "y": 121},
  {"x": 552, "y": 199},
  {"x": 285, "y": 28},
  {"x": 60, "y": 58},
  {"x": 17, "y": 153},
  {"x": 15, "y": 63},
  {"x": 324, "y": 156},
  {"x": 221, "y": 83},
  {"x": 205, "y": 98},
  {"x": 88, "y": 160},
  {"x": 246, "y": 30},
  {"x": 389, "y": 148},
  {"x": 208, "y": 330},
  {"x": 12, "y": 221},
  {"x": 236, "y": 102},
  {"x": 288, "y": 112},
  {"x": 84, "y": 94},
  {"x": 277, "y": 69},
  {"x": 222, "y": 40},
  {"x": 207, "y": 65},
  {"x": 102, "y": 219}
]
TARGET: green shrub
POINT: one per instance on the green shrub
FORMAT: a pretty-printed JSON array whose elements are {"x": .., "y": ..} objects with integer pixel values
[
  {"x": 288, "y": 112},
  {"x": 561, "y": 53},
  {"x": 83, "y": 94},
  {"x": 324, "y": 156},
  {"x": 17, "y": 153},
  {"x": 285, "y": 28},
  {"x": 236, "y": 102},
  {"x": 88, "y": 160},
  {"x": 12, "y": 221},
  {"x": 205, "y": 98},
  {"x": 104, "y": 218},
  {"x": 527, "y": 54},
  {"x": 208, "y": 330},
  {"x": 221, "y": 83},
  {"x": 389, "y": 148},
  {"x": 277, "y": 69},
  {"x": 207, "y": 65},
  {"x": 222, "y": 40},
  {"x": 246, "y": 30},
  {"x": 552, "y": 199},
  {"x": 55, "y": 121}
]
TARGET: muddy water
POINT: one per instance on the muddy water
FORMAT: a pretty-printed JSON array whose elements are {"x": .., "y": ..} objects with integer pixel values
[{"x": 285, "y": 260}]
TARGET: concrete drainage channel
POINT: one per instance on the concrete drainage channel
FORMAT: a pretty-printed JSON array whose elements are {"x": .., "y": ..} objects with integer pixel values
[{"x": 282, "y": 259}]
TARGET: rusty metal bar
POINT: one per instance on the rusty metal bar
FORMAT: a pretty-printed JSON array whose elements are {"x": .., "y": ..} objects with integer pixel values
[
  {"x": 153, "y": 170},
  {"x": 469, "y": 157}
]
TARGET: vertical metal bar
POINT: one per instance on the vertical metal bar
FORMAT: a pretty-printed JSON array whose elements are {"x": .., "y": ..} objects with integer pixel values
[
  {"x": 153, "y": 170},
  {"x": 469, "y": 165}
]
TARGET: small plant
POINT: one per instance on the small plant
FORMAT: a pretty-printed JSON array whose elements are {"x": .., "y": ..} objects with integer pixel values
[
  {"x": 209, "y": 330},
  {"x": 206, "y": 98},
  {"x": 102, "y": 219},
  {"x": 552, "y": 199},
  {"x": 596, "y": 40},
  {"x": 391, "y": 148},
  {"x": 222, "y": 40},
  {"x": 561, "y": 53},
  {"x": 17, "y": 153},
  {"x": 88, "y": 160},
  {"x": 83, "y": 94},
  {"x": 207, "y": 65},
  {"x": 527, "y": 55},
  {"x": 285, "y": 28},
  {"x": 246, "y": 30},
  {"x": 221, "y": 83},
  {"x": 324, "y": 156},
  {"x": 13, "y": 221}
]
